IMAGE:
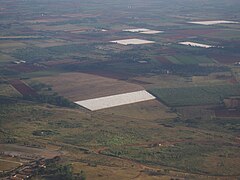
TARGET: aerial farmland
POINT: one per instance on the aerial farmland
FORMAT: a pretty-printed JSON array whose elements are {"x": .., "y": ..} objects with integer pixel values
[{"x": 119, "y": 89}]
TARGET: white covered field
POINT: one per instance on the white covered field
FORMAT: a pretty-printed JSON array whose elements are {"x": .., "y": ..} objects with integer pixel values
[
  {"x": 195, "y": 44},
  {"x": 143, "y": 31},
  {"x": 116, "y": 100},
  {"x": 132, "y": 41},
  {"x": 213, "y": 22}
]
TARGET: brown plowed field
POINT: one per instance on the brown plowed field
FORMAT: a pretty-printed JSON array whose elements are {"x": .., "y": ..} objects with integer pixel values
[
  {"x": 163, "y": 60},
  {"x": 81, "y": 86},
  {"x": 21, "y": 87},
  {"x": 227, "y": 113},
  {"x": 225, "y": 59},
  {"x": 182, "y": 34}
]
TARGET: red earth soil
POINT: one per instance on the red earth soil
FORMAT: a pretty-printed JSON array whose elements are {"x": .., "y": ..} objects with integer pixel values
[
  {"x": 225, "y": 59},
  {"x": 227, "y": 113},
  {"x": 182, "y": 34},
  {"x": 21, "y": 87},
  {"x": 163, "y": 60}
]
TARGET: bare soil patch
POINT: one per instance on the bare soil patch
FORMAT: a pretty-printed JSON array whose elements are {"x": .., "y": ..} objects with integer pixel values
[
  {"x": 21, "y": 87},
  {"x": 81, "y": 86},
  {"x": 227, "y": 113}
]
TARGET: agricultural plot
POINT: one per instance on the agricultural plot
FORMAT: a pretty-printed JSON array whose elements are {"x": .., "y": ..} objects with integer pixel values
[
  {"x": 213, "y": 22},
  {"x": 227, "y": 114},
  {"x": 173, "y": 81},
  {"x": 34, "y": 53},
  {"x": 5, "y": 58},
  {"x": 18, "y": 37},
  {"x": 22, "y": 88},
  {"x": 202, "y": 95},
  {"x": 184, "y": 59},
  {"x": 50, "y": 43},
  {"x": 46, "y": 20},
  {"x": 193, "y": 44},
  {"x": 8, "y": 90},
  {"x": 224, "y": 34},
  {"x": 147, "y": 110},
  {"x": 115, "y": 100},
  {"x": 8, "y": 164},
  {"x": 65, "y": 27},
  {"x": 132, "y": 42},
  {"x": 10, "y": 44},
  {"x": 81, "y": 86},
  {"x": 225, "y": 59},
  {"x": 18, "y": 150}
]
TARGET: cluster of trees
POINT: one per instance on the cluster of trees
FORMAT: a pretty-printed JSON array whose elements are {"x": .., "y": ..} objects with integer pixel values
[
  {"x": 45, "y": 95},
  {"x": 61, "y": 172},
  {"x": 32, "y": 54},
  {"x": 39, "y": 86},
  {"x": 192, "y": 70},
  {"x": 53, "y": 99}
]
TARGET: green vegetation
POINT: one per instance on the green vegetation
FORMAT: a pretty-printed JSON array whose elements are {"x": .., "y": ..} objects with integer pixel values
[
  {"x": 67, "y": 49},
  {"x": 101, "y": 137},
  {"x": 187, "y": 59},
  {"x": 55, "y": 171},
  {"x": 182, "y": 137},
  {"x": 188, "y": 156},
  {"x": 200, "y": 95},
  {"x": 46, "y": 95},
  {"x": 64, "y": 124},
  {"x": 32, "y": 54},
  {"x": 43, "y": 133},
  {"x": 35, "y": 54},
  {"x": 53, "y": 99}
]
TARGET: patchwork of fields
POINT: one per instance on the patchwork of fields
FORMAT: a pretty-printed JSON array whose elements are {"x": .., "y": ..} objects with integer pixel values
[{"x": 120, "y": 89}]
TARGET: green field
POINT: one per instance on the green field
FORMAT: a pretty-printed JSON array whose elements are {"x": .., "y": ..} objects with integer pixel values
[
  {"x": 188, "y": 59},
  {"x": 201, "y": 95},
  {"x": 187, "y": 132}
]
